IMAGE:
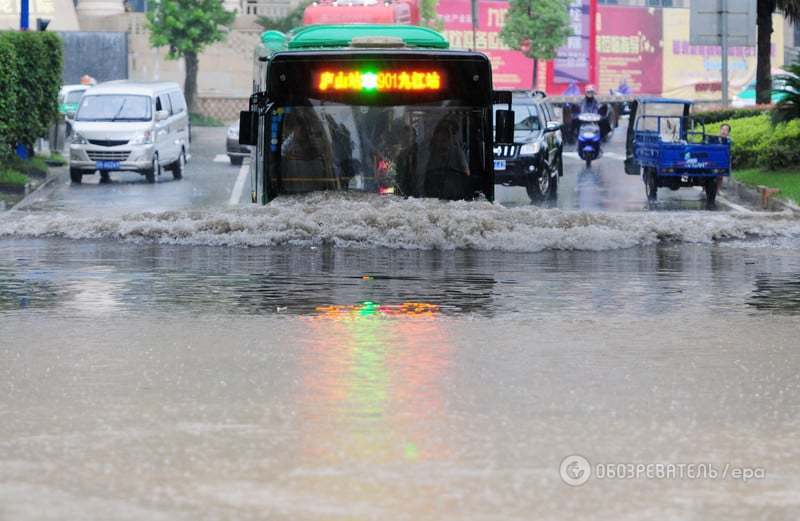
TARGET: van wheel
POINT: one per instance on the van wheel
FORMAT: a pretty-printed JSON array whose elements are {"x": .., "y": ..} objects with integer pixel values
[
  {"x": 154, "y": 170},
  {"x": 75, "y": 175},
  {"x": 179, "y": 165}
]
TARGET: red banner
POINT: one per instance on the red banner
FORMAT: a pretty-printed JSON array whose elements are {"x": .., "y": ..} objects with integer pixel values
[
  {"x": 629, "y": 49},
  {"x": 510, "y": 69}
]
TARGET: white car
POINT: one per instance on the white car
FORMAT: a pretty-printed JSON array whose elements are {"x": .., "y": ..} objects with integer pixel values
[{"x": 130, "y": 126}]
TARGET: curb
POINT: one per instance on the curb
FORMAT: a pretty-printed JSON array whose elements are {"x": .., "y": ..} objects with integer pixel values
[
  {"x": 755, "y": 198},
  {"x": 45, "y": 183}
]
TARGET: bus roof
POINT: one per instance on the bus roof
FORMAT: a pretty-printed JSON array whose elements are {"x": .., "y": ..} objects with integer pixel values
[{"x": 315, "y": 36}]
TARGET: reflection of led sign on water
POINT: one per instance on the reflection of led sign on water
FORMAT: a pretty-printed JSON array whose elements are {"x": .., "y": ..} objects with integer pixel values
[
  {"x": 371, "y": 308},
  {"x": 380, "y": 81}
]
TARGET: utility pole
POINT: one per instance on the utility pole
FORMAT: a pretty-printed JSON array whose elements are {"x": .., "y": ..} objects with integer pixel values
[
  {"x": 23, "y": 15},
  {"x": 723, "y": 24},
  {"x": 474, "y": 5}
]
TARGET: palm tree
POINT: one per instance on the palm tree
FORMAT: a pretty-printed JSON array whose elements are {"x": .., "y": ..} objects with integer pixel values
[
  {"x": 790, "y": 8},
  {"x": 789, "y": 106}
]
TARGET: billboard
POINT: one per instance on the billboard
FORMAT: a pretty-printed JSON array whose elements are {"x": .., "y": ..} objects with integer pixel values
[
  {"x": 629, "y": 49},
  {"x": 571, "y": 64},
  {"x": 510, "y": 69},
  {"x": 694, "y": 71}
]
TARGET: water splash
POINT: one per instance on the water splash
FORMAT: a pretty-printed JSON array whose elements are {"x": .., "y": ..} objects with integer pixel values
[{"x": 368, "y": 221}]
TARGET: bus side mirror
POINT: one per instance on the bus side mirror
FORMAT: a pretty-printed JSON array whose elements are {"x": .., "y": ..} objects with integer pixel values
[
  {"x": 248, "y": 127},
  {"x": 504, "y": 126}
]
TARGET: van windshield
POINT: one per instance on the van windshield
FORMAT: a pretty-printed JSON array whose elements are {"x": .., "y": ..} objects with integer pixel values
[{"x": 114, "y": 107}]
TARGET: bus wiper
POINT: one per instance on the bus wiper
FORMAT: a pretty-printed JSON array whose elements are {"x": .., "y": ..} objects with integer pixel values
[{"x": 124, "y": 101}]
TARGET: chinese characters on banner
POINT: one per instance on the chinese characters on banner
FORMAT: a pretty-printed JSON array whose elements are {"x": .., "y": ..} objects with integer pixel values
[
  {"x": 693, "y": 71},
  {"x": 629, "y": 49},
  {"x": 510, "y": 69},
  {"x": 572, "y": 63}
]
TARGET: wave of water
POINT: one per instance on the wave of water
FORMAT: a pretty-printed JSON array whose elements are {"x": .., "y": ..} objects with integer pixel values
[{"x": 359, "y": 220}]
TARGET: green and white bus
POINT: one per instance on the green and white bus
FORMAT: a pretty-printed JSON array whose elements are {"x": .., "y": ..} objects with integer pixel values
[{"x": 375, "y": 108}]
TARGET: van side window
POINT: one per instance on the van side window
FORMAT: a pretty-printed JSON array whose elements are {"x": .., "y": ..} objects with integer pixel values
[
  {"x": 178, "y": 105},
  {"x": 167, "y": 104},
  {"x": 159, "y": 106}
]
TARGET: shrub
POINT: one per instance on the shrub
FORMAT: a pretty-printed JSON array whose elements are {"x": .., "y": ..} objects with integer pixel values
[
  {"x": 716, "y": 115},
  {"x": 8, "y": 98},
  {"x": 12, "y": 178},
  {"x": 201, "y": 120},
  {"x": 756, "y": 143},
  {"x": 34, "y": 167},
  {"x": 30, "y": 74}
]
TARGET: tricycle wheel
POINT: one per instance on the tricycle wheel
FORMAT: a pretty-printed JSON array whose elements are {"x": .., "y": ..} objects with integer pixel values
[
  {"x": 651, "y": 187},
  {"x": 711, "y": 190}
]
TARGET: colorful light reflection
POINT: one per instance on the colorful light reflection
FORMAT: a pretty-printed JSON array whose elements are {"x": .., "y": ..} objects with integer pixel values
[
  {"x": 374, "y": 386},
  {"x": 371, "y": 308}
]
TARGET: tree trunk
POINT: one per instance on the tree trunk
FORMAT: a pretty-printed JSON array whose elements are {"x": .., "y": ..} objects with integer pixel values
[
  {"x": 535, "y": 73},
  {"x": 190, "y": 85},
  {"x": 764, "y": 65}
]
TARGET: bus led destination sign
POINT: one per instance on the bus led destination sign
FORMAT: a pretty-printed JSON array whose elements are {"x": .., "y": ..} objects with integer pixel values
[{"x": 378, "y": 81}]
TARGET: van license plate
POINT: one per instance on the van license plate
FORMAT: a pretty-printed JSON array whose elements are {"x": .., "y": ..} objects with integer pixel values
[
  {"x": 499, "y": 164},
  {"x": 107, "y": 165}
]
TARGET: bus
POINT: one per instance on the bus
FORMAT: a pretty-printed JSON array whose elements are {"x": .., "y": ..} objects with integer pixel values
[{"x": 386, "y": 109}]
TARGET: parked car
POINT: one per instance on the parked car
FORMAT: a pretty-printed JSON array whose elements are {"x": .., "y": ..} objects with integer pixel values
[
  {"x": 747, "y": 97},
  {"x": 69, "y": 98},
  {"x": 130, "y": 126},
  {"x": 534, "y": 160},
  {"x": 236, "y": 152}
]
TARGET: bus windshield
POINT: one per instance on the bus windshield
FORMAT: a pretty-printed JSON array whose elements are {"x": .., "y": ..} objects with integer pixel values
[{"x": 422, "y": 150}]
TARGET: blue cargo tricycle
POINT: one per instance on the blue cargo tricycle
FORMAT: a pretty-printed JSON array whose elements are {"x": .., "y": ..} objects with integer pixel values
[{"x": 669, "y": 148}]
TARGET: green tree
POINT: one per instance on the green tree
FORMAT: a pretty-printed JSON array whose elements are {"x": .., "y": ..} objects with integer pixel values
[
  {"x": 764, "y": 10},
  {"x": 537, "y": 28},
  {"x": 428, "y": 15},
  {"x": 292, "y": 20},
  {"x": 188, "y": 27}
]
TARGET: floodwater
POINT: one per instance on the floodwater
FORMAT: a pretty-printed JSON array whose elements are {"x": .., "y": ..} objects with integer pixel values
[{"x": 148, "y": 373}]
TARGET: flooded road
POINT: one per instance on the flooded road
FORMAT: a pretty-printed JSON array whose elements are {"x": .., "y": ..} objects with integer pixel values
[
  {"x": 168, "y": 354},
  {"x": 188, "y": 382}
]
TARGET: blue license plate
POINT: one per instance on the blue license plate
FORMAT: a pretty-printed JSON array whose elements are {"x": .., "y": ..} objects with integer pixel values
[
  {"x": 107, "y": 165},
  {"x": 499, "y": 164}
]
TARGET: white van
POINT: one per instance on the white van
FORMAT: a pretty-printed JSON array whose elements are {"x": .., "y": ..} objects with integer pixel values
[{"x": 130, "y": 126}]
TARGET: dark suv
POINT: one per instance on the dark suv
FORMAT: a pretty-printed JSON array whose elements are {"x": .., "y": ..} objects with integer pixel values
[{"x": 534, "y": 160}]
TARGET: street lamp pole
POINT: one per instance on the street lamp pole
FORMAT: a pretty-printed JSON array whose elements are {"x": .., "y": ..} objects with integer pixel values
[
  {"x": 723, "y": 23},
  {"x": 23, "y": 15}
]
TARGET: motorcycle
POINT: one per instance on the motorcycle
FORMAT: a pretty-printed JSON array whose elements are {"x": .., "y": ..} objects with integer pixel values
[{"x": 589, "y": 137}]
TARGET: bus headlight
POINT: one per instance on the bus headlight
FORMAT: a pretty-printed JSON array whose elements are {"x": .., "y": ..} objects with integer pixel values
[{"x": 529, "y": 149}]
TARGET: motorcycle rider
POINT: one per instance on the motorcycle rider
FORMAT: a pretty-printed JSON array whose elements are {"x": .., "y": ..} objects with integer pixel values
[{"x": 589, "y": 104}]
